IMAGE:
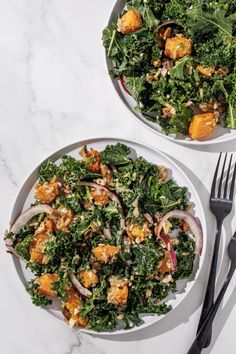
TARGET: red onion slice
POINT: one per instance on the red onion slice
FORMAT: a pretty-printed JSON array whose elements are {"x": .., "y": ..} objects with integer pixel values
[
  {"x": 166, "y": 240},
  {"x": 107, "y": 232},
  {"x": 193, "y": 223},
  {"x": 122, "y": 82},
  {"x": 110, "y": 194},
  {"x": 26, "y": 216},
  {"x": 23, "y": 219},
  {"x": 83, "y": 291},
  {"x": 9, "y": 246},
  {"x": 149, "y": 218}
]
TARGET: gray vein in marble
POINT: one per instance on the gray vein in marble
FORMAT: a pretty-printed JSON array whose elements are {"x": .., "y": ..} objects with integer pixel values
[
  {"x": 7, "y": 168},
  {"x": 29, "y": 58},
  {"x": 74, "y": 348},
  {"x": 29, "y": 84},
  {"x": 44, "y": 13}
]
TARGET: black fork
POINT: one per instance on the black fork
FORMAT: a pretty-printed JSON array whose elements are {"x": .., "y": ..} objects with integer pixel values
[{"x": 221, "y": 202}]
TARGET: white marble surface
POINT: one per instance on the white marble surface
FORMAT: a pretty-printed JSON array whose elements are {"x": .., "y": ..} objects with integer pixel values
[{"x": 54, "y": 90}]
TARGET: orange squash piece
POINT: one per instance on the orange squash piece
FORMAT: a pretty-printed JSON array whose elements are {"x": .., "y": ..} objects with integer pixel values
[
  {"x": 47, "y": 192},
  {"x": 178, "y": 47},
  {"x": 73, "y": 306},
  {"x": 94, "y": 157},
  {"x": 202, "y": 125},
  {"x": 118, "y": 291},
  {"x": 206, "y": 71},
  {"x": 105, "y": 253},
  {"x": 131, "y": 21},
  {"x": 88, "y": 278},
  {"x": 36, "y": 248},
  {"x": 45, "y": 283},
  {"x": 99, "y": 198}
]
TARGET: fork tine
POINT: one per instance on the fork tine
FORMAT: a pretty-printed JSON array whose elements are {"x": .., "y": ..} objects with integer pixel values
[
  {"x": 227, "y": 177},
  {"x": 232, "y": 184},
  {"x": 221, "y": 177},
  {"x": 213, "y": 187}
]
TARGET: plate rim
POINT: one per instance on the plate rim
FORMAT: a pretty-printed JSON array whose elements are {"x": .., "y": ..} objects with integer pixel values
[
  {"x": 65, "y": 150},
  {"x": 144, "y": 121}
]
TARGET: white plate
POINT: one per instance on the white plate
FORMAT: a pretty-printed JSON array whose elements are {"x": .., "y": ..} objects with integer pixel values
[
  {"x": 220, "y": 134},
  {"x": 25, "y": 197}
]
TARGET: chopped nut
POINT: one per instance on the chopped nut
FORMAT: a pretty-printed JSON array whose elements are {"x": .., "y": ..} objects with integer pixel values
[
  {"x": 62, "y": 218},
  {"x": 157, "y": 63},
  {"x": 148, "y": 293},
  {"x": 107, "y": 174},
  {"x": 168, "y": 111},
  {"x": 167, "y": 279},
  {"x": 222, "y": 71},
  {"x": 162, "y": 173},
  {"x": 150, "y": 77}
]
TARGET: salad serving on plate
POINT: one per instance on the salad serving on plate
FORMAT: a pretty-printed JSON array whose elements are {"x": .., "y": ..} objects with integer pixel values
[
  {"x": 107, "y": 237},
  {"x": 177, "y": 59}
]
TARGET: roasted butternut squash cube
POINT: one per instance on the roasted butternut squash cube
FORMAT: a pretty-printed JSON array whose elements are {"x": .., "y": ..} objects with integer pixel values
[
  {"x": 131, "y": 21},
  {"x": 202, "y": 125},
  {"x": 138, "y": 233},
  {"x": 105, "y": 253},
  {"x": 206, "y": 71},
  {"x": 118, "y": 291},
  {"x": 47, "y": 192},
  {"x": 178, "y": 47},
  {"x": 45, "y": 283},
  {"x": 73, "y": 307},
  {"x": 89, "y": 278},
  {"x": 92, "y": 158},
  {"x": 36, "y": 248}
]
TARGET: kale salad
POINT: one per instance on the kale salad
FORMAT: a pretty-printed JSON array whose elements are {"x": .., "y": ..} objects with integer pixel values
[
  {"x": 106, "y": 238},
  {"x": 177, "y": 59}
]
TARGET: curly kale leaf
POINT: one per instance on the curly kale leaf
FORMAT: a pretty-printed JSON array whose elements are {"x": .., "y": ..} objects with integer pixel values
[
  {"x": 22, "y": 240},
  {"x": 145, "y": 259},
  {"x": 60, "y": 287},
  {"x": 179, "y": 70},
  {"x": 132, "y": 319},
  {"x": 22, "y": 248},
  {"x": 47, "y": 171},
  {"x": 144, "y": 8},
  {"x": 180, "y": 121},
  {"x": 131, "y": 54},
  {"x": 115, "y": 154},
  {"x": 71, "y": 202},
  {"x": 205, "y": 22},
  {"x": 185, "y": 252},
  {"x": 164, "y": 197},
  {"x": 102, "y": 314},
  {"x": 227, "y": 88},
  {"x": 136, "y": 86},
  {"x": 72, "y": 170}
]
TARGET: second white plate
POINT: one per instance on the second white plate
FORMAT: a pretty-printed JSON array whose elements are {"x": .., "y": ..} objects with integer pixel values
[{"x": 220, "y": 135}]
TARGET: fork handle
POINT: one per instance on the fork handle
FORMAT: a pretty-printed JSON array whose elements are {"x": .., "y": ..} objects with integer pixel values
[
  {"x": 202, "y": 335},
  {"x": 210, "y": 289}
]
